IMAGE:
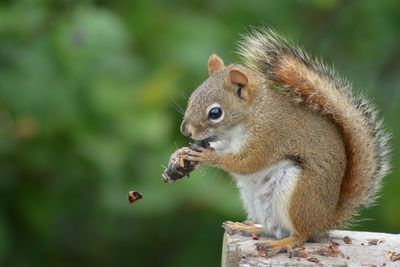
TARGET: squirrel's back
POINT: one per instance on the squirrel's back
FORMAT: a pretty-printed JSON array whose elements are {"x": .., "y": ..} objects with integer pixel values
[{"x": 322, "y": 89}]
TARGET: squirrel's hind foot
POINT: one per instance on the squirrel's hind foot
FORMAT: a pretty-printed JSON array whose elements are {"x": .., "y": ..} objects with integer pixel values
[
  {"x": 272, "y": 247},
  {"x": 246, "y": 228}
]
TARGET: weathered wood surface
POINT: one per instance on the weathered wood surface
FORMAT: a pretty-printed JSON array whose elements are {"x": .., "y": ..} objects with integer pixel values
[{"x": 366, "y": 249}]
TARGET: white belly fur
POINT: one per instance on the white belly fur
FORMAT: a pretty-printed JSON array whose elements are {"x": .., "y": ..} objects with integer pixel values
[{"x": 265, "y": 195}]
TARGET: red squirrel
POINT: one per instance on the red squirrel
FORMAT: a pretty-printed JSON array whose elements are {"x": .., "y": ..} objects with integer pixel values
[{"x": 305, "y": 151}]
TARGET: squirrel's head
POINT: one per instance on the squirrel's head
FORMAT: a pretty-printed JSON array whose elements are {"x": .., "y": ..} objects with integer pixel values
[{"x": 220, "y": 103}]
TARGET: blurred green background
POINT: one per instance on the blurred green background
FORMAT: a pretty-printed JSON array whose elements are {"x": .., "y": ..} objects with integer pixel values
[{"x": 90, "y": 93}]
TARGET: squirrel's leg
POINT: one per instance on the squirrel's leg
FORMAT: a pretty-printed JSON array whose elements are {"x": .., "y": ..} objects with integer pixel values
[
  {"x": 236, "y": 163},
  {"x": 310, "y": 211},
  {"x": 245, "y": 228}
]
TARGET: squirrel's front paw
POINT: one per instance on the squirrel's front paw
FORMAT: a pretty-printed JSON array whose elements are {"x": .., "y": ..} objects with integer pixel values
[{"x": 201, "y": 155}]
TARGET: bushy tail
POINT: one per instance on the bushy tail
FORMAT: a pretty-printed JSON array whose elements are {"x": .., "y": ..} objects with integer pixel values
[{"x": 313, "y": 82}]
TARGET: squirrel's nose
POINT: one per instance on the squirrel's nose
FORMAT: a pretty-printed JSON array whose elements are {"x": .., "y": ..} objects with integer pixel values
[{"x": 185, "y": 129}]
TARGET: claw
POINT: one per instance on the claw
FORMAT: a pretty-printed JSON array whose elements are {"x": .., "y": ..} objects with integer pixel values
[
  {"x": 194, "y": 153},
  {"x": 268, "y": 250},
  {"x": 193, "y": 158},
  {"x": 198, "y": 148},
  {"x": 274, "y": 247}
]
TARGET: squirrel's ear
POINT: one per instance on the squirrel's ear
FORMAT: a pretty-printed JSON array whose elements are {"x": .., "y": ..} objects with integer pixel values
[
  {"x": 239, "y": 82},
  {"x": 239, "y": 78},
  {"x": 215, "y": 63}
]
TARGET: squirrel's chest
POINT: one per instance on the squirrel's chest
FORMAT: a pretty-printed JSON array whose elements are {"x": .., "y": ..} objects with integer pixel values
[{"x": 266, "y": 194}]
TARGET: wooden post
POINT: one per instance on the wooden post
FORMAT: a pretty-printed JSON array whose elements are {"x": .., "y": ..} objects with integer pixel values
[{"x": 343, "y": 248}]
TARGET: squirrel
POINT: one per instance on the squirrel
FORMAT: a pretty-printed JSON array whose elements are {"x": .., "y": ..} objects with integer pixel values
[{"x": 305, "y": 151}]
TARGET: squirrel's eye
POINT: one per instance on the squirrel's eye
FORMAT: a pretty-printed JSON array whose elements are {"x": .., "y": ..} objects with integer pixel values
[{"x": 215, "y": 113}]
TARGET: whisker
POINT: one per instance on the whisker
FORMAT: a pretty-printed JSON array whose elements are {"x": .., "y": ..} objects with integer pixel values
[
  {"x": 176, "y": 106},
  {"x": 208, "y": 134},
  {"x": 183, "y": 96}
]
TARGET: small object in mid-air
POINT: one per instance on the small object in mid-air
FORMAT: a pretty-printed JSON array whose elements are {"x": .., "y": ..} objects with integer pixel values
[{"x": 134, "y": 196}]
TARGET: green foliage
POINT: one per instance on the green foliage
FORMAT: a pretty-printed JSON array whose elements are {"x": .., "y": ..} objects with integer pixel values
[{"x": 87, "y": 97}]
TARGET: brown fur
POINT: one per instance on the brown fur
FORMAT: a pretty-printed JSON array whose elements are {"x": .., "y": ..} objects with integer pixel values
[
  {"x": 296, "y": 76},
  {"x": 279, "y": 127},
  {"x": 318, "y": 86},
  {"x": 215, "y": 64},
  {"x": 294, "y": 108}
]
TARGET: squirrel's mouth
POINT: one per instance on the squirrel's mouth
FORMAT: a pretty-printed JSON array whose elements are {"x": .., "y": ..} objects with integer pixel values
[{"x": 207, "y": 140}]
